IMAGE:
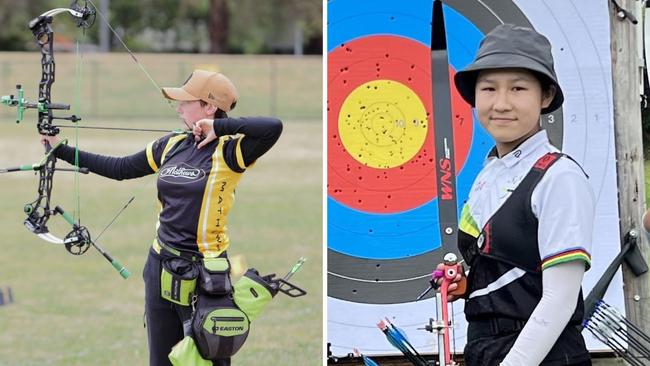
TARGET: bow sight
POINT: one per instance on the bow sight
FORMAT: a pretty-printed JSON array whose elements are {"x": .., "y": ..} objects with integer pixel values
[{"x": 21, "y": 104}]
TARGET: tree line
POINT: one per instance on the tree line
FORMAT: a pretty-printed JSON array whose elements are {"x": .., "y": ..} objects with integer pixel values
[{"x": 214, "y": 26}]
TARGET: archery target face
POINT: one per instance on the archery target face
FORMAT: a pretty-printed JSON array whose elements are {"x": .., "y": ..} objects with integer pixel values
[
  {"x": 381, "y": 249},
  {"x": 381, "y": 146},
  {"x": 383, "y": 220}
]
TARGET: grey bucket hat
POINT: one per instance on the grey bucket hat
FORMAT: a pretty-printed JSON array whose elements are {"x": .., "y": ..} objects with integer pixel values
[{"x": 510, "y": 46}]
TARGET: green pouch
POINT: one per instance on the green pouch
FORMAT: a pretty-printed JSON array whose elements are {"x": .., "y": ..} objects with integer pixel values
[
  {"x": 252, "y": 293},
  {"x": 178, "y": 280},
  {"x": 185, "y": 353},
  {"x": 215, "y": 276}
]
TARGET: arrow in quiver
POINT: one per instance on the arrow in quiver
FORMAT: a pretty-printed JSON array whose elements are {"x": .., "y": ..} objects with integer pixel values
[{"x": 605, "y": 322}]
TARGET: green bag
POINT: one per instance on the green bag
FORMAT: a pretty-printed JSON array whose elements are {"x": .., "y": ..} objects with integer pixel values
[
  {"x": 252, "y": 293},
  {"x": 178, "y": 280},
  {"x": 185, "y": 353}
]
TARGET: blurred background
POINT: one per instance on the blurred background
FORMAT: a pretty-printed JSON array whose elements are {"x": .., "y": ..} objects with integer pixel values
[{"x": 59, "y": 309}]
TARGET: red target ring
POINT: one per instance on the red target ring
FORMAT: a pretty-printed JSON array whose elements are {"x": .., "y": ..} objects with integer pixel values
[{"x": 411, "y": 184}]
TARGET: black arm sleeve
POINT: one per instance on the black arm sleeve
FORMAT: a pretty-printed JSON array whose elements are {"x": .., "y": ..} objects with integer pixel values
[
  {"x": 260, "y": 133},
  {"x": 119, "y": 168}
]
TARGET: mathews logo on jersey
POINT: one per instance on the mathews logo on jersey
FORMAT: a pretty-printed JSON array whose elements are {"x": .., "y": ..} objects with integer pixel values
[{"x": 181, "y": 174}]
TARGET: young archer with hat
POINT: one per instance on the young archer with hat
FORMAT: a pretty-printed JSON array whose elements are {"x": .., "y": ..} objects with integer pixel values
[
  {"x": 196, "y": 187},
  {"x": 526, "y": 228}
]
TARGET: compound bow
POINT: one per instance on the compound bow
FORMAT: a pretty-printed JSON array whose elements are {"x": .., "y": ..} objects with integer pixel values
[{"x": 39, "y": 211}]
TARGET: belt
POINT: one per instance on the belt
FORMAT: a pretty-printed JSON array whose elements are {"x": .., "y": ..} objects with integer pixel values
[
  {"x": 493, "y": 327},
  {"x": 162, "y": 248}
]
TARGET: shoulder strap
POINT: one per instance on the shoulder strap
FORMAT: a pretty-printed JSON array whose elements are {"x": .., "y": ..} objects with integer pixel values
[{"x": 507, "y": 250}]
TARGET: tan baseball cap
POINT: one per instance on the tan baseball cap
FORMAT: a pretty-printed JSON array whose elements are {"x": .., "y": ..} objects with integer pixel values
[{"x": 210, "y": 87}]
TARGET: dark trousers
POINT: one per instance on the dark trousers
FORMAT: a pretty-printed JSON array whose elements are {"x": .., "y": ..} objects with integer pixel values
[
  {"x": 489, "y": 341},
  {"x": 163, "y": 319}
]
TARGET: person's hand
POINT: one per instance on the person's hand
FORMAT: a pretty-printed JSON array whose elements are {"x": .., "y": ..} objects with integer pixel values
[
  {"x": 458, "y": 285},
  {"x": 204, "y": 132},
  {"x": 51, "y": 140}
]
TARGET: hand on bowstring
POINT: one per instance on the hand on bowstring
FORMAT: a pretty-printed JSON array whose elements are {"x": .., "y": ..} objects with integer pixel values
[{"x": 204, "y": 132}]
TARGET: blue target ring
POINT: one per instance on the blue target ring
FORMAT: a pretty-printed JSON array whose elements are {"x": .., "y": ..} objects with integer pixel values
[{"x": 414, "y": 231}]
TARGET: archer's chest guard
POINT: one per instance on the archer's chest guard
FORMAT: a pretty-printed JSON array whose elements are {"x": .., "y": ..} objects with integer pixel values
[
  {"x": 508, "y": 246},
  {"x": 510, "y": 235}
]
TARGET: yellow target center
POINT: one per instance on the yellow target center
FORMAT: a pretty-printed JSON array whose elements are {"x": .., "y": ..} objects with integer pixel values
[{"x": 383, "y": 124}]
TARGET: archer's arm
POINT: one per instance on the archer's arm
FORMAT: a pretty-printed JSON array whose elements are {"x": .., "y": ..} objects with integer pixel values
[
  {"x": 564, "y": 205},
  {"x": 550, "y": 317},
  {"x": 260, "y": 134},
  {"x": 118, "y": 168}
]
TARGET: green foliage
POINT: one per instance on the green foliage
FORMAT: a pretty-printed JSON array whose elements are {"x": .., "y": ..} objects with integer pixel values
[
  {"x": 249, "y": 21},
  {"x": 254, "y": 26},
  {"x": 161, "y": 14},
  {"x": 194, "y": 9},
  {"x": 311, "y": 16},
  {"x": 14, "y": 16},
  {"x": 266, "y": 26}
]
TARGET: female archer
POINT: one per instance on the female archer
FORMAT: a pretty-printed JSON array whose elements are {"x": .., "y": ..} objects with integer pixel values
[
  {"x": 198, "y": 173},
  {"x": 526, "y": 228}
]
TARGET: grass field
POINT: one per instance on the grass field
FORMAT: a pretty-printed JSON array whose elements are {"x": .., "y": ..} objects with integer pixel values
[
  {"x": 76, "y": 310},
  {"x": 113, "y": 86}
]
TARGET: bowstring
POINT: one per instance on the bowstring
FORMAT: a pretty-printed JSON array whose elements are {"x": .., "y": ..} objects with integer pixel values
[
  {"x": 135, "y": 59},
  {"x": 158, "y": 89},
  {"x": 76, "y": 111}
]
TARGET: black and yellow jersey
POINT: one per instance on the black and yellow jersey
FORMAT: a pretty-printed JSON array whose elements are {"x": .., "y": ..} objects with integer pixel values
[
  {"x": 196, "y": 190},
  {"x": 196, "y": 187}
]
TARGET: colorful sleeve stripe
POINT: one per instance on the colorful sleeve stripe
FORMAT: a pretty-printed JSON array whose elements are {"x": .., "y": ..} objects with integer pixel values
[
  {"x": 573, "y": 254},
  {"x": 467, "y": 223},
  {"x": 150, "y": 159},
  {"x": 239, "y": 154}
]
